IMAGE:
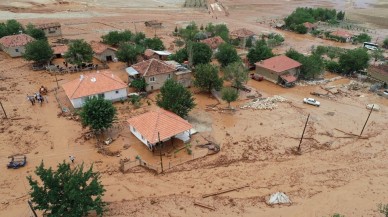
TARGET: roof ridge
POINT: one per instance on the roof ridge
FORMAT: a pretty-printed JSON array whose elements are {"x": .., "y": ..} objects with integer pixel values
[
  {"x": 156, "y": 125},
  {"x": 175, "y": 116},
  {"x": 145, "y": 73},
  {"x": 110, "y": 77},
  {"x": 79, "y": 84}
]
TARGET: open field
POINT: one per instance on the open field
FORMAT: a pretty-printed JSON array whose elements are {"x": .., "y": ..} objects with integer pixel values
[{"x": 332, "y": 175}]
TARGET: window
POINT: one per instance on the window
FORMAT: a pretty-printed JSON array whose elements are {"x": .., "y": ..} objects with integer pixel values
[
  {"x": 101, "y": 95},
  {"x": 134, "y": 130},
  {"x": 117, "y": 91},
  {"x": 142, "y": 137},
  {"x": 152, "y": 79},
  {"x": 17, "y": 50},
  {"x": 169, "y": 76}
]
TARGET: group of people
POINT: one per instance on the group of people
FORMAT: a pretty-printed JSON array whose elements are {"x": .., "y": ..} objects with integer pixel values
[{"x": 36, "y": 97}]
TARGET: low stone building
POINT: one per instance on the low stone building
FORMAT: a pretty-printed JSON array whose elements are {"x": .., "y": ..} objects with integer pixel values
[
  {"x": 242, "y": 35},
  {"x": 59, "y": 50},
  {"x": 15, "y": 45},
  {"x": 309, "y": 26},
  {"x": 279, "y": 70},
  {"x": 155, "y": 72},
  {"x": 345, "y": 35},
  {"x": 213, "y": 42},
  {"x": 103, "y": 52},
  {"x": 50, "y": 29},
  {"x": 182, "y": 75},
  {"x": 101, "y": 84}
]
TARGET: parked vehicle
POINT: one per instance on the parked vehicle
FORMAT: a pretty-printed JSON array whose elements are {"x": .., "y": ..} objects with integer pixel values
[
  {"x": 311, "y": 101},
  {"x": 17, "y": 161},
  {"x": 385, "y": 92}
]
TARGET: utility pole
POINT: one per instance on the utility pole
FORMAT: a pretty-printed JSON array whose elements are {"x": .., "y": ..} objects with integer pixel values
[
  {"x": 160, "y": 152},
  {"x": 3, "y": 110},
  {"x": 301, "y": 138},
  {"x": 373, "y": 105},
  {"x": 32, "y": 208}
]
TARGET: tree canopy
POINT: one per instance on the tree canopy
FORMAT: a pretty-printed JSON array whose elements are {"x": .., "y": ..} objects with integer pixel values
[
  {"x": 237, "y": 73},
  {"x": 38, "y": 34},
  {"x": 154, "y": 44},
  {"x": 259, "y": 52},
  {"x": 10, "y": 27},
  {"x": 115, "y": 38},
  {"x": 207, "y": 78},
  {"x": 385, "y": 43},
  {"x": 38, "y": 51},
  {"x": 361, "y": 38},
  {"x": 175, "y": 98},
  {"x": 227, "y": 54},
  {"x": 354, "y": 60},
  {"x": 180, "y": 56},
  {"x": 79, "y": 52},
  {"x": 312, "y": 65},
  {"x": 302, "y": 15},
  {"x": 128, "y": 53},
  {"x": 201, "y": 53},
  {"x": 229, "y": 95},
  {"x": 218, "y": 30},
  {"x": 66, "y": 191},
  {"x": 140, "y": 84},
  {"x": 98, "y": 113},
  {"x": 189, "y": 32}
]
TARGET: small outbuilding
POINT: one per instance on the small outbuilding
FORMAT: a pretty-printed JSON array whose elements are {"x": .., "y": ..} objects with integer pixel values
[
  {"x": 182, "y": 74},
  {"x": 159, "y": 126},
  {"x": 213, "y": 42},
  {"x": 50, "y": 29},
  {"x": 100, "y": 84},
  {"x": 103, "y": 52},
  {"x": 15, "y": 45},
  {"x": 345, "y": 35},
  {"x": 279, "y": 70},
  {"x": 153, "y": 24},
  {"x": 154, "y": 54},
  {"x": 242, "y": 35},
  {"x": 59, "y": 50}
]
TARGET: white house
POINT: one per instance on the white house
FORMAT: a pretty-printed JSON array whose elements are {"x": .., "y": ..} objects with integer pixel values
[
  {"x": 159, "y": 125},
  {"x": 102, "y": 84}
]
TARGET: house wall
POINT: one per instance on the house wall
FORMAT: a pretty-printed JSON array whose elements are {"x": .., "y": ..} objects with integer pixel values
[
  {"x": 267, "y": 74},
  {"x": 111, "y": 95},
  {"x": 184, "y": 79},
  {"x": 53, "y": 32},
  {"x": 12, "y": 50},
  {"x": 103, "y": 55},
  {"x": 159, "y": 81},
  {"x": 139, "y": 136}
]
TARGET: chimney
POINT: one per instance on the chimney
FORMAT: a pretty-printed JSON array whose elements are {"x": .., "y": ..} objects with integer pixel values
[{"x": 81, "y": 77}]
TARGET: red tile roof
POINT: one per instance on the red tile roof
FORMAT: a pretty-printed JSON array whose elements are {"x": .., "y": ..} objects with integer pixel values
[
  {"x": 16, "y": 40},
  {"x": 92, "y": 84},
  {"x": 278, "y": 64},
  {"x": 242, "y": 33},
  {"x": 149, "y": 52},
  {"x": 289, "y": 78},
  {"x": 60, "y": 49},
  {"x": 166, "y": 123},
  {"x": 213, "y": 42},
  {"x": 47, "y": 25},
  {"x": 341, "y": 33},
  {"x": 153, "y": 67},
  {"x": 99, "y": 47}
]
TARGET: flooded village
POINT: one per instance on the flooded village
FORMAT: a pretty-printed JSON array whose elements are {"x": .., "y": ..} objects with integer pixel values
[{"x": 193, "y": 108}]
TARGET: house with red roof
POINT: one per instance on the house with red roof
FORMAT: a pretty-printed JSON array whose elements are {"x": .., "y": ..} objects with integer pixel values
[
  {"x": 154, "y": 71},
  {"x": 59, "y": 50},
  {"x": 15, "y": 45},
  {"x": 279, "y": 69},
  {"x": 213, "y": 42},
  {"x": 100, "y": 84},
  {"x": 345, "y": 35},
  {"x": 159, "y": 126},
  {"x": 103, "y": 52}
]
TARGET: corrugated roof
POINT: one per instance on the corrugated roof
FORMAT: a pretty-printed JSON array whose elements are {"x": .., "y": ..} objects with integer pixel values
[
  {"x": 278, "y": 64},
  {"x": 16, "y": 40},
  {"x": 93, "y": 84},
  {"x": 166, "y": 123},
  {"x": 153, "y": 67}
]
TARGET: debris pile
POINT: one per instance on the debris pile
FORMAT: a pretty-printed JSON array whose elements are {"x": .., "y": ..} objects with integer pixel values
[
  {"x": 317, "y": 82},
  {"x": 354, "y": 85},
  {"x": 265, "y": 103}
]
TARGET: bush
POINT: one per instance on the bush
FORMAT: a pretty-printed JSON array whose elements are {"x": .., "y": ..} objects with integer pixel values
[
  {"x": 226, "y": 54},
  {"x": 332, "y": 66},
  {"x": 361, "y": 38},
  {"x": 301, "y": 29}
]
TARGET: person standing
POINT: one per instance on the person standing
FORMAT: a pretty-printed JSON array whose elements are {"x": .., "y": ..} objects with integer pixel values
[{"x": 72, "y": 158}]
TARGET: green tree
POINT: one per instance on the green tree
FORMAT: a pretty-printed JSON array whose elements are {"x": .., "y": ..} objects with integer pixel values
[
  {"x": 201, "y": 53},
  {"x": 128, "y": 53},
  {"x": 66, "y": 191},
  {"x": 229, "y": 95},
  {"x": 98, "y": 114},
  {"x": 154, "y": 44},
  {"x": 301, "y": 29},
  {"x": 79, "y": 52},
  {"x": 237, "y": 73},
  {"x": 312, "y": 66},
  {"x": 38, "y": 51},
  {"x": 115, "y": 38},
  {"x": 259, "y": 52},
  {"x": 337, "y": 215},
  {"x": 140, "y": 84},
  {"x": 249, "y": 42},
  {"x": 175, "y": 98},
  {"x": 207, "y": 78},
  {"x": 340, "y": 15},
  {"x": 200, "y": 36},
  {"x": 363, "y": 37},
  {"x": 378, "y": 55},
  {"x": 38, "y": 34},
  {"x": 385, "y": 43},
  {"x": 180, "y": 56},
  {"x": 189, "y": 32},
  {"x": 383, "y": 209},
  {"x": 332, "y": 66},
  {"x": 295, "y": 55},
  {"x": 13, "y": 27},
  {"x": 354, "y": 60},
  {"x": 227, "y": 54},
  {"x": 138, "y": 38}
]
